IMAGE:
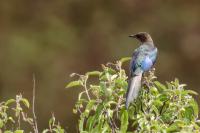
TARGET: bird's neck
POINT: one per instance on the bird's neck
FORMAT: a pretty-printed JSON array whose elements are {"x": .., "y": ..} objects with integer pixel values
[
  {"x": 149, "y": 39},
  {"x": 148, "y": 43}
]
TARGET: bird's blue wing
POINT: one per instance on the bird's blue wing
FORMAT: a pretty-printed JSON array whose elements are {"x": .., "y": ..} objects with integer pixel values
[
  {"x": 142, "y": 60},
  {"x": 133, "y": 62},
  {"x": 149, "y": 59},
  {"x": 153, "y": 55},
  {"x": 146, "y": 63}
]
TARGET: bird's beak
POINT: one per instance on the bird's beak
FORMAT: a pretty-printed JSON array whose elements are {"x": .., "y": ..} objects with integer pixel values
[{"x": 133, "y": 35}]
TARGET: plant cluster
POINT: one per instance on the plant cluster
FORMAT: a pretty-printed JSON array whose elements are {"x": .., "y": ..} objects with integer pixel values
[
  {"x": 162, "y": 108},
  {"x": 159, "y": 108},
  {"x": 14, "y": 114}
]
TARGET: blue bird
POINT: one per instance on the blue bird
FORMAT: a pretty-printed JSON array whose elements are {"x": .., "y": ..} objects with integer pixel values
[{"x": 143, "y": 59}]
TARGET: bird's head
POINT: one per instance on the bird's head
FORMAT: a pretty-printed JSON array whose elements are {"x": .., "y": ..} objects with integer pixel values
[{"x": 142, "y": 37}]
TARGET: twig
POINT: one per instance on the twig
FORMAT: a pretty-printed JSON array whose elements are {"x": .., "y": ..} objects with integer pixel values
[
  {"x": 86, "y": 89},
  {"x": 33, "y": 109},
  {"x": 161, "y": 110},
  {"x": 111, "y": 123},
  {"x": 19, "y": 121},
  {"x": 17, "y": 112}
]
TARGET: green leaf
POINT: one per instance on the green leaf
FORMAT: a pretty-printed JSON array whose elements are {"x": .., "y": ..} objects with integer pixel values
[
  {"x": 106, "y": 127},
  {"x": 74, "y": 84},
  {"x": 195, "y": 107},
  {"x": 25, "y": 102},
  {"x": 160, "y": 86},
  {"x": 89, "y": 107},
  {"x": 191, "y": 92},
  {"x": 155, "y": 110},
  {"x": 11, "y": 119},
  {"x": 124, "y": 121},
  {"x": 10, "y": 101},
  {"x": 111, "y": 71},
  {"x": 188, "y": 113},
  {"x": 1, "y": 123},
  {"x": 51, "y": 121},
  {"x": 90, "y": 123},
  {"x": 93, "y": 73},
  {"x": 45, "y": 131},
  {"x": 81, "y": 123},
  {"x": 8, "y": 131},
  {"x": 163, "y": 97},
  {"x": 175, "y": 126},
  {"x": 97, "y": 118},
  {"x": 157, "y": 103},
  {"x": 125, "y": 59},
  {"x": 80, "y": 96},
  {"x": 58, "y": 130},
  {"x": 120, "y": 82},
  {"x": 169, "y": 86},
  {"x": 84, "y": 132},
  {"x": 154, "y": 91},
  {"x": 167, "y": 116},
  {"x": 19, "y": 131},
  {"x": 176, "y": 82},
  {"x": 99, "y": 126},
  {"x": 98, "y": 113}
]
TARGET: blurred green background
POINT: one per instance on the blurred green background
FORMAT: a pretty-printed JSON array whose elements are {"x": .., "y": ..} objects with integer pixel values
[{"x": 55, "y": 38}]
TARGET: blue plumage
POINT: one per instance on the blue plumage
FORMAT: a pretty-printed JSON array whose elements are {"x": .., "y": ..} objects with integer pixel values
[{"x": 143, "y": 59}]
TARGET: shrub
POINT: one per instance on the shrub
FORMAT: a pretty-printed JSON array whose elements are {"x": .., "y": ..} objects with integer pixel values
[
  {"x": 159, "y": 107},
  {"x": 14, "y": 113}
]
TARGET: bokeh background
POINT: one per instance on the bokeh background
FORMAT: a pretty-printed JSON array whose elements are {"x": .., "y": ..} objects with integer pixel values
[{"x": 55, "y": 38}]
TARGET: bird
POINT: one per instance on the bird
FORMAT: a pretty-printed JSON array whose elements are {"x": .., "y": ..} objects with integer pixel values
[{"x": 143, "y": 59}]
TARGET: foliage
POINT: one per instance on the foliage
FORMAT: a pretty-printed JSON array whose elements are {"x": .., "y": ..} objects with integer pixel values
[
  {"x": 159, "y": 107},
  {"x": 53, "y": 127},
  {"x": 14, "y": 113}
]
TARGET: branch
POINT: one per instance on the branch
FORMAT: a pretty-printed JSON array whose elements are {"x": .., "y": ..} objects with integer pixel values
[
  {"x": 35, "y": 127},
  {"x": 86, "y": 89}
]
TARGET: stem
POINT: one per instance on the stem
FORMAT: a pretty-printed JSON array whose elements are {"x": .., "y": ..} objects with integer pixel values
[
  {"x": 111, "y": 123},
  {"x": 86, "y": 89},
  {"x": 19, "y": 121},
  {"x": 35, "y": 127}
]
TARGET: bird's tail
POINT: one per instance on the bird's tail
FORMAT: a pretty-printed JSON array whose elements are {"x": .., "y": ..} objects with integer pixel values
[{"x": 133, "y": 88}]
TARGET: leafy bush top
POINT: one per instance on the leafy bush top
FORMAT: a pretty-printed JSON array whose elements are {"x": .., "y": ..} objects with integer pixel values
[{"x": 159, "y": 107}]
